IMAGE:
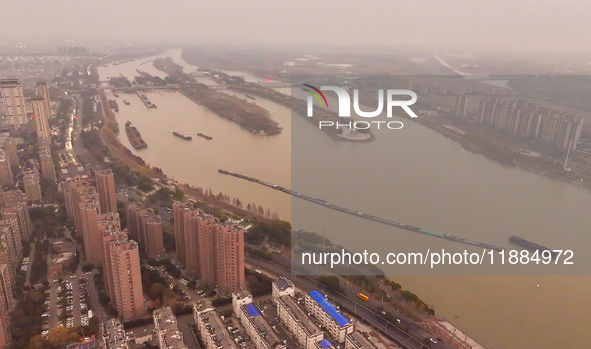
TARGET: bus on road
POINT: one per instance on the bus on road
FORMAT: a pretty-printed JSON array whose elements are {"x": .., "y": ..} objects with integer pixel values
[{"x": 362, "y": 296}]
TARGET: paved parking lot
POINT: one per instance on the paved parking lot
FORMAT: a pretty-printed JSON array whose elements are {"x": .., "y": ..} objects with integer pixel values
[{"x": 69, "y": 297}]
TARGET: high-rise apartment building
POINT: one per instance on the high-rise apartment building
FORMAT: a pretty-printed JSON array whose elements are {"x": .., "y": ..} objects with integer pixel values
[
  {"x": 43, "y": 90},
  {"x": 178, "y": 211},
  {"x": 151, "y": 234},
  {"x": 11, "y": 246},
  {"x": 145, "y": 227},
  {"x": 127, "y": 280},
  {"x": 4, "y": 331},
  {"x": 212, "y": 250},
  {"x": 46, "y": 162},
  {"x": 133, "y": 211},
  {"x": 527, "y": 119},
  {"x": 11, "y": 151},
  {"x": 72, "y": 187},
  {"x": 199, "y": 244},
  {"x": 6, "y": 178},
  {"x": 110, "y": 231},
  {"x": 82, "y": 206},
  {"x": 13, "y": 102},
  {"x": 41, "y": 114},
  {"x": 89, "y": 212},
  {"x": 14, "y": 207},
  {"x": 6, "y": 297},
  {"x": 32, "y": 186},
  {"x": 229, "y": 257},
  {"x": 105, "y": 185}
]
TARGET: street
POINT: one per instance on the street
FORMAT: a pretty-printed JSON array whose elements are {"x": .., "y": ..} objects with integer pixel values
[{"x": 347, "y": 301}]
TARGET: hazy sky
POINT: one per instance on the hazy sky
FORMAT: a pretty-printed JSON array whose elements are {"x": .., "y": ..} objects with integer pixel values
[{"x": 485, "y": 24}]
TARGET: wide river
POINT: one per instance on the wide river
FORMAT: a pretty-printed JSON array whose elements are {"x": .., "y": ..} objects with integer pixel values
[{"x": 433, "y": 184}]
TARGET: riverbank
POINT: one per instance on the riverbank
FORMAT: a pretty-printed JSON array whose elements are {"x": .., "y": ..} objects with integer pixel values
[
  {"x": 248, "y": 115},
  {"x": 299, "y": 106},
  {"x": 218, "y": 204},
  {"x": 110, "y": 131},
  {"x": 475, "y": 141}
]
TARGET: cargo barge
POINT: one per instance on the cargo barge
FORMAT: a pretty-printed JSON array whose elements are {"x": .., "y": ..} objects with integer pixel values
[
  {"x": 113, "y": 105},
  {"x": 529, "y": 245},
  {"x": 146, "y": 101},
  {"x": 322, "y": 202},
  {"x": 204, "y": 136},
  {"x": 134, "y": 136},
  {"x": 182, "y": 135}
]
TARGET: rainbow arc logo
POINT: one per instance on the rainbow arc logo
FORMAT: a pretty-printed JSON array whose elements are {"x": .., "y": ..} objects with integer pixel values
[{"x": 316, "y": 95}]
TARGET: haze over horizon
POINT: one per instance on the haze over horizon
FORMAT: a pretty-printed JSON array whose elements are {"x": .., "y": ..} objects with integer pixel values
[{"x": 502, "y": 25}]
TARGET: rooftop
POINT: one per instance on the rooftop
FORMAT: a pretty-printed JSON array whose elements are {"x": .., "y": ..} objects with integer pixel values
[
  {"x": 329, "y": 308},
  {"x": 216, "y": 329},
  {"x": 114, "y": 335},
  {"x": 299, "y": 314},
  {"x": 167, "y": 328},
  {"x": 283, "y": 283},
  {"x": 325, "y": 344},
  {"x": 361, "y": 341},
  {"x": 262, "y": 327},
  {"x": 241, "y": 294}
]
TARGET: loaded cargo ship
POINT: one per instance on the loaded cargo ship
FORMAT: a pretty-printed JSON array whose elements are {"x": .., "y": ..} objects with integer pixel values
[
  {"x": 134, "y": 136},
  {"x": 204, "y": 136},
  {"x": 113, "y": 105},
  {"x": 182, "y": 135},
  {"x": 529, "y": 245}
]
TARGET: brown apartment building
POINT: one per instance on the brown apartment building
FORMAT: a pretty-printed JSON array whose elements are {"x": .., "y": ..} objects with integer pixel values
[
  {"x": 105, "y": 186},
  {"x": 127, "y": 279},
  {"x": 145, "y": 227},
  {"x": 212, "y": 250}
]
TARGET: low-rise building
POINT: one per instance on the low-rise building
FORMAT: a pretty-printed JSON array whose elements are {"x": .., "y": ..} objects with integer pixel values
[
  {"x": 58, "y": 263},
  {"x": 239, "y": 299},
  {"x": 259, "y": 331},
  {"x": 61, "y": 245},
  {"x": 167, "y": 330},
  {"x": 302, "y": 328},
  {"x": 356, "y": 340},
  {"x": 281, "y": 287},
  {"x": 211, "y": 329},
  {"x": 328, "y": 316},
  {"x": 324, "y": 344},
  {"x": 113, "y": 335}
]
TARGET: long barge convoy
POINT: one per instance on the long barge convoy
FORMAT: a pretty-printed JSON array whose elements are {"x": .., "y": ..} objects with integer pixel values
[
  {"x": 145, "y": 100},
  {"x": 530, "y": 245},
  {"x": 326, "y": 204}
]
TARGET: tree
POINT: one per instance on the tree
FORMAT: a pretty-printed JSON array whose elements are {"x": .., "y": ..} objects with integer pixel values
[
  {"x": 103, "y": 298},
  {"x": 192, "y": 284},
  {"x": 331, "y": 281},
  {"x": 156, "y": 291},
  {"x": 38, "y": 342},
  {"x": 178, "y": 195},
  {"x": 59, "y": 336}
]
